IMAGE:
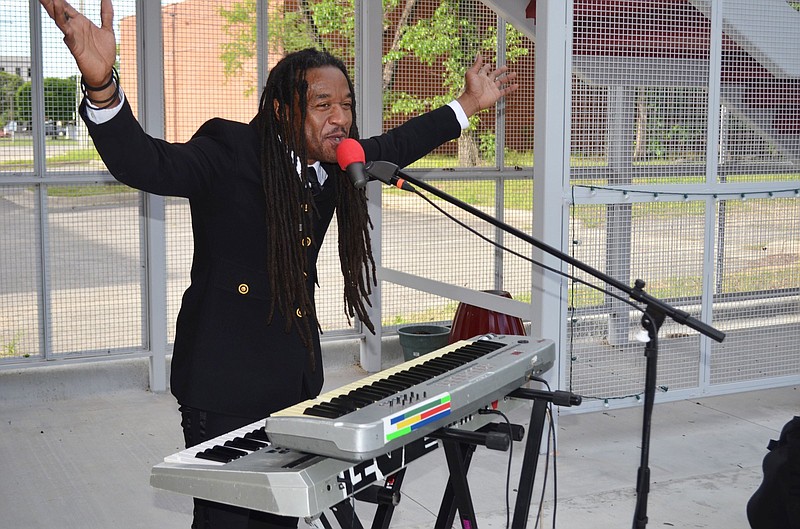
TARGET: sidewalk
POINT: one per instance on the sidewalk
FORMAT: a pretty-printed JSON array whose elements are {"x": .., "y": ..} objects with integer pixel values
[{"x": 84, "y": 462}]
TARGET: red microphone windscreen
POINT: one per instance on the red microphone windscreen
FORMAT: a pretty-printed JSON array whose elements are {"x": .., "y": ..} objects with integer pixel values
[{"x": 349, "y": 151}]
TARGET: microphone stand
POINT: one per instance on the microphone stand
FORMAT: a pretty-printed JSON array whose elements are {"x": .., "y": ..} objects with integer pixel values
[{"x": 654, "y": 314}]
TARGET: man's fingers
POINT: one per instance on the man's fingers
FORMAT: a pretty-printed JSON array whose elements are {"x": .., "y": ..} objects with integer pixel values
[
  {"x": 55, "y": 10},
  {"x": 48, "y": 6},
  {"x": 106, "y": 15},
  {"x": 506, "y": 78},
  {"x": 510, "y": 89},
  {"x": 60, "y": 11},
  {"x": 498, "y": 73}
]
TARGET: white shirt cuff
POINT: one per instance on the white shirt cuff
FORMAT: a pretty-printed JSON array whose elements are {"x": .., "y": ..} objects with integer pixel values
[
  {"x": 461, "y": 116},
  {"x": 98, "y": 116}
]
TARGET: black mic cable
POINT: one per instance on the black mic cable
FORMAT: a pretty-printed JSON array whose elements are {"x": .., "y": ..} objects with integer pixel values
[{"x": 525, "y": 257}]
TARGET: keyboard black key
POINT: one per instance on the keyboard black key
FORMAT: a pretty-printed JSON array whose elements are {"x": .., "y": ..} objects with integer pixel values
[
  {"x": 343, "y": 403},
  {"x": 210, "y": 455},
  {"x": 461, "y": 356},
  {"x": 222, "y": 454},
  {"x": 246, "y": 444},
  {"x": 445, "y": 363},
  {"x": 316, "y": 411},
  {"x": 361, "y": 399},
  {"x": 259, "y": 435},
  {"x": 375, "y": 393},
  {"x": 389, "y": 385},
  {"x": 428, "y": 372}
]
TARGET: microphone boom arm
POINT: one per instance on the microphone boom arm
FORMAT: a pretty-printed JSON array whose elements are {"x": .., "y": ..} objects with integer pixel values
[{"x": 389, "y": 174}]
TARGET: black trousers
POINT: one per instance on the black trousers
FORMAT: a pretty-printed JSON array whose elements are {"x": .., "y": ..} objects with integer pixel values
[{"x": 199, "y": 426}]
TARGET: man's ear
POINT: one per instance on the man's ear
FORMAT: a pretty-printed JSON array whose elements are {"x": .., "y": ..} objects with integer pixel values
[{"x": 276, "y": 105}]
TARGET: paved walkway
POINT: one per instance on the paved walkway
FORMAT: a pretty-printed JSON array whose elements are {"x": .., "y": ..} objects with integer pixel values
[{"x": 83, "y": 461}]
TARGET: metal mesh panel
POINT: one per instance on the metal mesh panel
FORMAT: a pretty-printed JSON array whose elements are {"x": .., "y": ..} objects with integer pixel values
[
  {"x": 517, "y": 212},
  {"x": 660, "y": 242},
  {"x": 65, "y": 134},
  {"x": 20, "y": 273},
  {"x": 68, "y": 147},
  {"x": 96, "y": 268},
  {"x": 16, "y": 147},
  {"x": 424, "y": 68},
  {"x": 210, "y": 65},
  {"x": 639, "y": 91},
  {"x": 20, "y": 236},
  {"x": 757, "y": 285},
  {"x": 756, "y": 271},
  {"x": 428, "y": 54},
  {"x": 645, "y": 93},
  {"x": 441, "y": 250},
  {"x": 72, "y": 269},
  {"x": 639, "y": 111},
  {"x": 427, "y": 308},
  {"x": 760, "y": 119}
]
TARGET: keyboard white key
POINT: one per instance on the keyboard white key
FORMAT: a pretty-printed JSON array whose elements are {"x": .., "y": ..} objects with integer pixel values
[{"x": 189, "y": 455}]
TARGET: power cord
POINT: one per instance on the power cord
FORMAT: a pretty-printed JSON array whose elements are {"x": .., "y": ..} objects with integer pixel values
[
  {"x": 486, "y": 411},
  {"x": 551, "y": 435}
]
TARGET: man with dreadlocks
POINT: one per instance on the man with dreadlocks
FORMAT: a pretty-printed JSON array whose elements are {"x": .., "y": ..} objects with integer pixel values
[{"x": 246, "y": 340}]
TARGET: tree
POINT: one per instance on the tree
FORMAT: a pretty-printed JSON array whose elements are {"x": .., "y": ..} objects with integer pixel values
[
  {"x": 450, "y": 38},
  {"x": 59, "y": 100},
  {"x": 9, "y": 84}
]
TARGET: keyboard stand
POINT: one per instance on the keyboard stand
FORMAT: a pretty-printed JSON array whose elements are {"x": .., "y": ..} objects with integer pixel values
[
  {"x": 456, "y": 493},
  {"x": 388, "y": 502},
  {"x": 459, "y": 455},
  {"x": 459, "y": 447},
  {"x": 386, "y": 497}
]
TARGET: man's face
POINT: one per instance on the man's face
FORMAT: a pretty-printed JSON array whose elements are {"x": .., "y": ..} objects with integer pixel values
[{"x": 329, "y": 113}]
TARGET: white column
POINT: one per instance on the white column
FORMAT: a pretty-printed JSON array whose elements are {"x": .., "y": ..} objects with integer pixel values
[
  {"x": 552, "y": 88},
  {"x": 151, "y": 116},
  {"x": 369, "y": 43}
]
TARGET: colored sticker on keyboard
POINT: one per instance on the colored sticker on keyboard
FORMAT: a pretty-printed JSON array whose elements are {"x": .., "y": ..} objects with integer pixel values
[{"x": 425, "y": 412}]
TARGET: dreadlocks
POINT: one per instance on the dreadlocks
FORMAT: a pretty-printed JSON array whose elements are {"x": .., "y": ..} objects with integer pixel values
[{"x": 282, "y": 146}]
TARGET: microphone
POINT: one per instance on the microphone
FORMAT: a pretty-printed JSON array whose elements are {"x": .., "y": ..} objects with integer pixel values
[{"x": 350, "y": 156}]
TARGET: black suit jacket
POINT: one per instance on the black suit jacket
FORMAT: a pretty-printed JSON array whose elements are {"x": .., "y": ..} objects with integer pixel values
[{"x": 226, "y": 357}]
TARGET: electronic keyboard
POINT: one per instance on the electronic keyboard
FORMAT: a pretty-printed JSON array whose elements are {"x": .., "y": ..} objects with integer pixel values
[
  {"x": 244, "y": 469},
  {"x": 390, "y": 409}
]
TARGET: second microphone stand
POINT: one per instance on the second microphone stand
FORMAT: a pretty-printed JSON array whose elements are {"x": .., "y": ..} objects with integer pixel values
[{"x": 654, "y": 314}]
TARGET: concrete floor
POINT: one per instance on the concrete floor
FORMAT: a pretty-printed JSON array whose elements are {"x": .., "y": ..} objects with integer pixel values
[{"x": 81, "y": 459}]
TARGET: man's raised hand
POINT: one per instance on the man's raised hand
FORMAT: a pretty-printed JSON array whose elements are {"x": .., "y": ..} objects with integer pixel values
[
  {"x": 484, "y": 87},
  {"x": 94, "y": 49}
]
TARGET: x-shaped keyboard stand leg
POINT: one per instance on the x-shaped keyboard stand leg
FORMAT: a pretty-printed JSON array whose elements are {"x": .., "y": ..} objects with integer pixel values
[
  {"x": 459, "y": 446},
  {"x": 456, "y": 494},
  {"x": 386, "y": 497},
  {"x": 459, "y": 455}
]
